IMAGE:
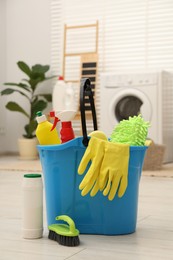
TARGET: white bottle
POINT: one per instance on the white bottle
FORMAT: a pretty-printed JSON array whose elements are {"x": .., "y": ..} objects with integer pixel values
[
  {"x": 58, "y": 95},
  {"x": 32, "y": 217},
  {"x": 70, "y": 97}
]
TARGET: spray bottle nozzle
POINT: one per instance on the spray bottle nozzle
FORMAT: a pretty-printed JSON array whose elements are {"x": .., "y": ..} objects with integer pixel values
[{"x": 56, "y": 119}]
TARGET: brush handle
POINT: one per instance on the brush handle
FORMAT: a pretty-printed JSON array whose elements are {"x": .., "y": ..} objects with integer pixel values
[
  {"x": 86, "y": 91},
  {"x": 69, "y": 221}
]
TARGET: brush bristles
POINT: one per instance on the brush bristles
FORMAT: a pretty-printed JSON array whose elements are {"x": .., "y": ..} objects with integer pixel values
[{"x": 64, "y": 240}]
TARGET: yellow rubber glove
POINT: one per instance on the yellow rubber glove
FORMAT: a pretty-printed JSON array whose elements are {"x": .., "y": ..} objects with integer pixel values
[
  {"x": 94, "y": 154},
  {"x": 114, "y": 170}
]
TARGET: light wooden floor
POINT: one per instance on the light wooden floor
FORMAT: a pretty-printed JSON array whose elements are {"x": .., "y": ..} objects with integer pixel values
[{"x": 152, "y": 240}]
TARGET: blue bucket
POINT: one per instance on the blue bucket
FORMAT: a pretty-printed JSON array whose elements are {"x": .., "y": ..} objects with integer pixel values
[{"x": 92, "y": 215}]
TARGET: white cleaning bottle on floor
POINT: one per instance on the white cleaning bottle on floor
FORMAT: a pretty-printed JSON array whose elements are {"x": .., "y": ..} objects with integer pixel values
[{"x": 32, "y": 206}]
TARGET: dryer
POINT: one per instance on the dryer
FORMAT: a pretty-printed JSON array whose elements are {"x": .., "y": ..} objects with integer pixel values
[{"x": 124, "y": 95}]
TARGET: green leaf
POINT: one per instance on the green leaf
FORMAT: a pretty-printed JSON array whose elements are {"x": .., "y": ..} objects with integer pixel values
[
  {"x": 24, "y": 67},
  {"x": 51, "y": 77},
  {"x": 34, "y": 82},
  {"x": 9, "y": 91},
  {"x": 48, "y": 97},
  {"x": 12, "y": 106},
  {"x": 29, "y": 136},
  {"x": 39, "y": 105},
  {"x": 35, "y": 99},
  {"x": 20, "y": 85},
  {"x": 41, "y": 69},
  {"x": 30, "y": 129}
]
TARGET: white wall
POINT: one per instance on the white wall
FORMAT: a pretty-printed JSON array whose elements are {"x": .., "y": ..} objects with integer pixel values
[
  {"x": 2, "y": 72},
  {"x": 27, "y": 39}
]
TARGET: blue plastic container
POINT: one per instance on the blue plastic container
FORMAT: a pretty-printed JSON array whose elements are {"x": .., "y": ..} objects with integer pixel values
[{"x": 92, "y": 215}]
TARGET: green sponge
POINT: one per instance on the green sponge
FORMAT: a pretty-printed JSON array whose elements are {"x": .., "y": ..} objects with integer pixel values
[{"x": 132, "y": 131}]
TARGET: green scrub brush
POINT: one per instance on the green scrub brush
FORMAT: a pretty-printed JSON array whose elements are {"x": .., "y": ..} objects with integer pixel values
[
  {"x": 132, "y": 131},
  {"x": 64, "y": 234}
]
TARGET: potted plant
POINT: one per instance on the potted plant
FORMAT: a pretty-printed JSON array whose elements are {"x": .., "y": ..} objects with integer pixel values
[{"x": 37, "y": 102}]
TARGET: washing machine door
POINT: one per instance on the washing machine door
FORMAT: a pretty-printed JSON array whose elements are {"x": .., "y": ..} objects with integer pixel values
[{"x": 129, "y": 102}]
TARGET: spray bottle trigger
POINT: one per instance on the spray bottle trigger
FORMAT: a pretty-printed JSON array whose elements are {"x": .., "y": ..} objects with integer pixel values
[{"x": 56, "y": 120}]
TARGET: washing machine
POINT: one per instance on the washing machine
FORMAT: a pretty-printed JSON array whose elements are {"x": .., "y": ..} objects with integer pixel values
[{"x": 124, "y": 95}]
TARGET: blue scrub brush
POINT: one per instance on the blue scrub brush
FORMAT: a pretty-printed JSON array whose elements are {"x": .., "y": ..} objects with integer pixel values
[{"x": 132, "y": 131}]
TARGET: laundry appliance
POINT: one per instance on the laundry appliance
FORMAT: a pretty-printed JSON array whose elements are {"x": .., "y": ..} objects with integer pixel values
[{"x": 124, "y": 95}]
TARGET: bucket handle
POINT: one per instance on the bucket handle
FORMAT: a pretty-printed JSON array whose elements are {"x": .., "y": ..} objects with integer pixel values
[{"x": 85, "y": 90}]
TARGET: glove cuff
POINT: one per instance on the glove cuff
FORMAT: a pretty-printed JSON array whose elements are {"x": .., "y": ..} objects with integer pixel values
[{"x": 117, "y": 148}]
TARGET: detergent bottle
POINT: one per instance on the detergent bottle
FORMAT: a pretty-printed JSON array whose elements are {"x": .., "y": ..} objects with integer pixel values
[
  {"x": 58, "y": 95},
  {"x": 70, "y": 97},
  {"x": 63, "y": 96},
  {"x": 44, "y": 132}
]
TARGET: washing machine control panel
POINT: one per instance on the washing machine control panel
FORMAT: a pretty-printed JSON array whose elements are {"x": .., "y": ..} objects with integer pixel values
[{"x": 129, "y": 80}]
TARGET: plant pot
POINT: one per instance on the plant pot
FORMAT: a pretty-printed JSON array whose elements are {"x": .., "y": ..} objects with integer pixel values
[{"x": 28, "y": 148}]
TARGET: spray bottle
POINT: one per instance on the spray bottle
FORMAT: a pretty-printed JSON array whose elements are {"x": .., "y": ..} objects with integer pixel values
[{"x": 66, "y": 131}]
